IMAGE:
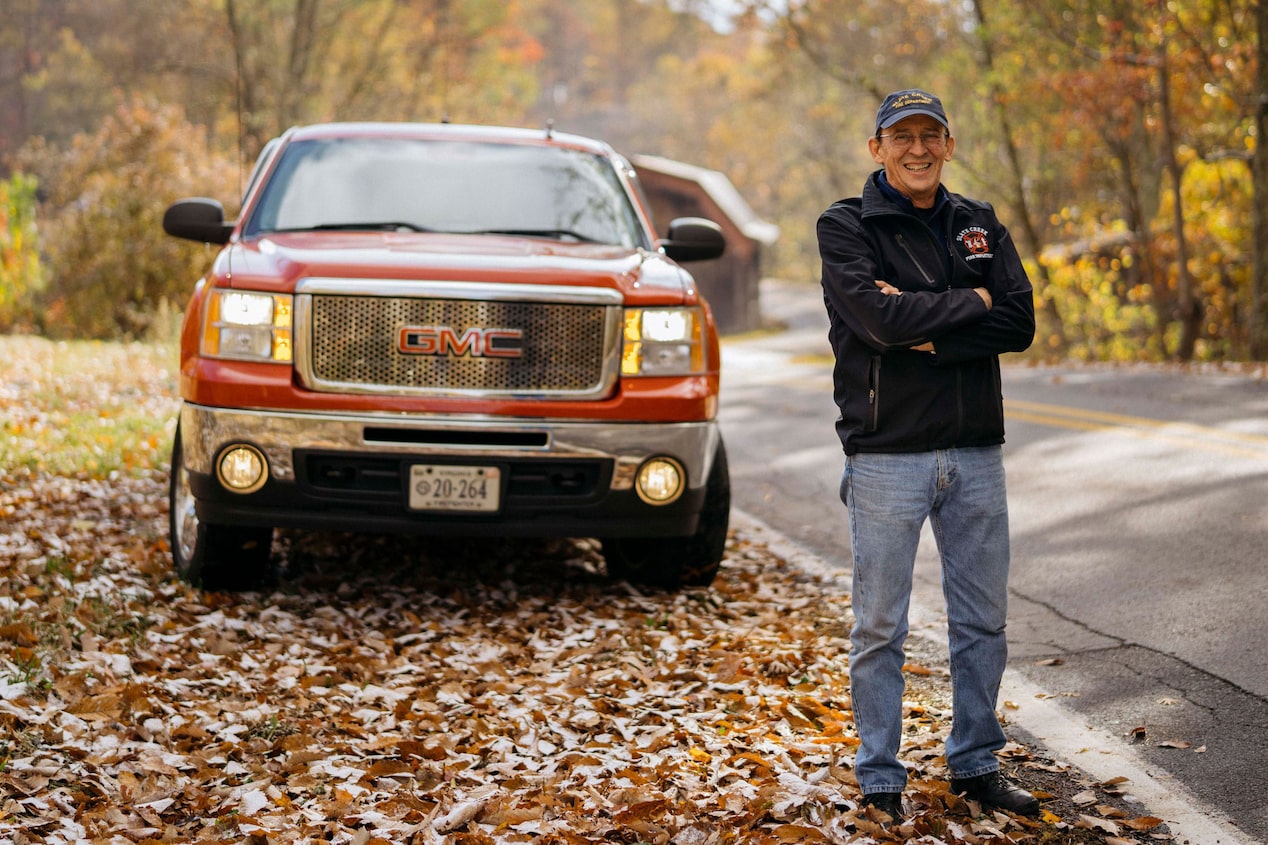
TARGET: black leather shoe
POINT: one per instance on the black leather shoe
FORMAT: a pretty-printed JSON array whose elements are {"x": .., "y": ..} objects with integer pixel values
[
  {"x": 994, "y": 790},
  {"x": 886, "y": 802}
]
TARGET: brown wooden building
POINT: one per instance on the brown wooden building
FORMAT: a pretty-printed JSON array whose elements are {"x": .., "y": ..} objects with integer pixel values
[{"x": 729, "y": 283}]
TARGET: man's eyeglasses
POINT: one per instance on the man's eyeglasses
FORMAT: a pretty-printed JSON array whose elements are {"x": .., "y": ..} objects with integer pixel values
[{"x": 904, "y": 140}]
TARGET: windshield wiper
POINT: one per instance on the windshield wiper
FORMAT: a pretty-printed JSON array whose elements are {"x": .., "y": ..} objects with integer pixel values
[
  {"x": 385, "y": 226},
  {"x": 556, "y": 234}
]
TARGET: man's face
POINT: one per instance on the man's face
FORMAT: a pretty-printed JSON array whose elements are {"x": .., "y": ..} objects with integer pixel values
[{"x": 912, "y": 151}]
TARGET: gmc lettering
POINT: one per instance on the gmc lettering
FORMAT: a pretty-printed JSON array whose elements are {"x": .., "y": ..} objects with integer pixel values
[{"x": 474, "y": 341}]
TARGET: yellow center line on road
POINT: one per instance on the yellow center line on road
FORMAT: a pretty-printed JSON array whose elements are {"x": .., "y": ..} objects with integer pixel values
[{"x": 1189, "y": 435}]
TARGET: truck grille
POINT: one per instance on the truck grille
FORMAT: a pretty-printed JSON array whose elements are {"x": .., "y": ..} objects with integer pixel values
[{"x": 353, "y": 344}]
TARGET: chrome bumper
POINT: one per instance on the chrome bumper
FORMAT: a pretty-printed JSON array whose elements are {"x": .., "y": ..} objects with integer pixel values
[{"x": 205, "y": 431}]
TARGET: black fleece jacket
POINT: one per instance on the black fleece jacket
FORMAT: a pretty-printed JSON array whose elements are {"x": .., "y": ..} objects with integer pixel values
[{"x": 894, "y": 399}]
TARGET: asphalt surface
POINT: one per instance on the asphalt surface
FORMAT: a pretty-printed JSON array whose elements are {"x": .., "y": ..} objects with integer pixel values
[{"x": 1139, "y": 504}]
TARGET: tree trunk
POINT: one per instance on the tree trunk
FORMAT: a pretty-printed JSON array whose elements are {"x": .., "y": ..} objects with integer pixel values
[
  {"x": 1188, "y": 308},
  {"x": 1017, "y": 185},
  {"x": 1133, "y": 202},
  {"x": 298, "y": 64},
  {"x": 249, "y": 143}
]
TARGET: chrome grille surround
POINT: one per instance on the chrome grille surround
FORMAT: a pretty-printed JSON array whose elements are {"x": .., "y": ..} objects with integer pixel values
[{"x": 346, "y": 334}]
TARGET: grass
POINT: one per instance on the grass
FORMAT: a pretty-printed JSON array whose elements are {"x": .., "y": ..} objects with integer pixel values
[{"x": 86, "y": 408}]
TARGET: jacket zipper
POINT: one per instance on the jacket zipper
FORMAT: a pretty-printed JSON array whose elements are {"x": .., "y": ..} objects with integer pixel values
[
  {"x": 873, "y": 389},
  {"x": 933, "y": 285},
  {"x": 959, "y": 374},
  {"x": 929, "y": 280}
]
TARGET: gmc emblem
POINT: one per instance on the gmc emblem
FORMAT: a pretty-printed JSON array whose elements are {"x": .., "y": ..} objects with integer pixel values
[{"x": 474, "y": 341}]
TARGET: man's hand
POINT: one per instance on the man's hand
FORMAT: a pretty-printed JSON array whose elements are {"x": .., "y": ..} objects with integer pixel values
[
  {"x": 986, "y": 297},
  {"x": 890, "y": 290}
]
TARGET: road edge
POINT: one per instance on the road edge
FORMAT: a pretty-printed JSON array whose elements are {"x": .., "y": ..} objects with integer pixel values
[{"x": 1060, "y": 732}]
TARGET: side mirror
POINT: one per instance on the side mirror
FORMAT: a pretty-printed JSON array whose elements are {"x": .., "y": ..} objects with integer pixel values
[
  {"x": 197, "y": 219},
  {"x": 693, "y": 239}
]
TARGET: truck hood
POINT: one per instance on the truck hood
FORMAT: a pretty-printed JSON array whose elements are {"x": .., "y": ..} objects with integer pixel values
[{"x": 279, "y": 261}]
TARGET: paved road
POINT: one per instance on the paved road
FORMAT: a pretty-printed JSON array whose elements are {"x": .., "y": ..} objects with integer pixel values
[{"x": 1139, "y": 502}]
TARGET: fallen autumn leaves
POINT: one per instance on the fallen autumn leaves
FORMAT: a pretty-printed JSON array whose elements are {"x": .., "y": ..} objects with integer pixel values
[
  {"x": 406, "y": 690},
  {"x": 410, "y": 690}
]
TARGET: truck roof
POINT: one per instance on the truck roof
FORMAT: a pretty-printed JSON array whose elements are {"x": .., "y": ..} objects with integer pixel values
[{"x": 545, "y": 136}]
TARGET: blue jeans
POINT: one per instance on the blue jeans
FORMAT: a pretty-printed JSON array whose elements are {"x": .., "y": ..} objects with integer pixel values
[{"x": 889, "y": 497}]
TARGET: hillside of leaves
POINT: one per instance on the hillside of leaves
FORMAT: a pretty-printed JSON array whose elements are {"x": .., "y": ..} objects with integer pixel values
[{"x": 412, "y": 690}]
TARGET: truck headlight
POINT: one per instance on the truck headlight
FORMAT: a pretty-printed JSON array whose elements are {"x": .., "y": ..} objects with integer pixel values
[
  {"x": 663, "y": 342},
  {"x": 247, "y": 326}
]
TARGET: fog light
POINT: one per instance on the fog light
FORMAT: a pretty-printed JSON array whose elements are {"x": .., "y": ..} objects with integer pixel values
[
  {"x": 242, "y": 468},
  {"x": 660, "y": 481}
]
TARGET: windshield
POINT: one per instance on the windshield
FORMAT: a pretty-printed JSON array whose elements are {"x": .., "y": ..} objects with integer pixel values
[{"x": 447, "y": 186}]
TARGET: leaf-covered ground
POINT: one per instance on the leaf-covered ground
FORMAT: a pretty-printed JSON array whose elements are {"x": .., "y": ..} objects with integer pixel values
[{"x": 410, "y": 690}]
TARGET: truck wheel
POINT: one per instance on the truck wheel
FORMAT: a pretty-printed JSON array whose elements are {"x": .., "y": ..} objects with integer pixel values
[
  {"x": 218, "y": 557},
  {"x": 672, "y": 562}
]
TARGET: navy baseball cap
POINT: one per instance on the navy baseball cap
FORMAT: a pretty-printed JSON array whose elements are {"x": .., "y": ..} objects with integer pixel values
[{"x": 901, "y": 104}]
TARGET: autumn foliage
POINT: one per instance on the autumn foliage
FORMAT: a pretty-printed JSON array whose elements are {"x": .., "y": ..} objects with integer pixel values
[
  {"x": 1116, "y": 139},
  {"x": 113, "y": 272},
  {"x": 21, "y": 273}
]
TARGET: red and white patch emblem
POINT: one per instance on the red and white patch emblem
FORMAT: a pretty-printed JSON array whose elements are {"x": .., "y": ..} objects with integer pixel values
[{"x": 975, "y": 242}]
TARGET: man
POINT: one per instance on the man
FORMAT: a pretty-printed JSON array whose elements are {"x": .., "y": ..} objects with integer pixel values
[{"x": 924, "y": 290}]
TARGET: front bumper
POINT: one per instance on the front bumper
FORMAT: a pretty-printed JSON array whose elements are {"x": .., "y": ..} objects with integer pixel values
[{"x": 350, "y": 472}]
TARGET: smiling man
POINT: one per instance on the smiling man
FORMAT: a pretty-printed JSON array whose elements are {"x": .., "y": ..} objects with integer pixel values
[{"x": 924, "y": 291}]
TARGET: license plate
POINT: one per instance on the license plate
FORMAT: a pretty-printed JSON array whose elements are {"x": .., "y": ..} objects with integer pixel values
[{"x": 444, "y": 487}]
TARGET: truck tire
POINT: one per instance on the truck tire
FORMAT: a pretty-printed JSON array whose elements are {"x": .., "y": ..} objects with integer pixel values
[
  {"x": 673, "y": 562},
  {"x": 216, "y": 557}
]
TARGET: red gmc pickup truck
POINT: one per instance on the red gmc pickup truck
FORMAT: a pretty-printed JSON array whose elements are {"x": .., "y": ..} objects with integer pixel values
[{"x": 441, "y": 329}]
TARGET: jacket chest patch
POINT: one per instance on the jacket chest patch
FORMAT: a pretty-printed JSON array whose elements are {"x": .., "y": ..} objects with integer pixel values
[{"x": 975, "y": 242}]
